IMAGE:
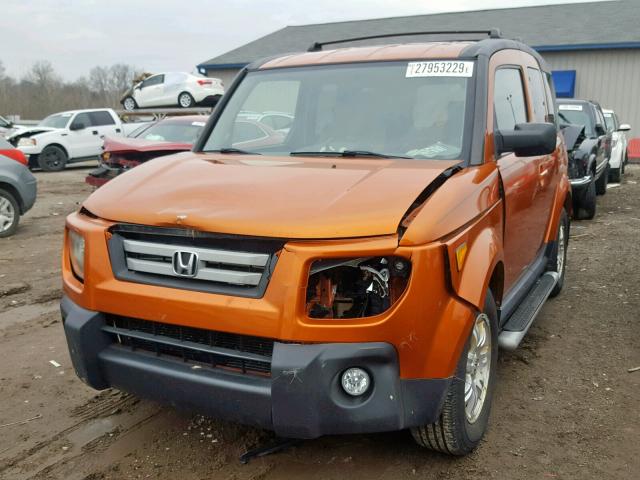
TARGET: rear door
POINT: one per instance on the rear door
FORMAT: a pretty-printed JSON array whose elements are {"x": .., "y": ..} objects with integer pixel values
[
  {"x": 526, "y": 212},
  {"x": 104, "y": 123}
]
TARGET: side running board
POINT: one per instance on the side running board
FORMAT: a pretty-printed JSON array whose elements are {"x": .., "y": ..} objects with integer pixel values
[{"x": 518, "y": 324}]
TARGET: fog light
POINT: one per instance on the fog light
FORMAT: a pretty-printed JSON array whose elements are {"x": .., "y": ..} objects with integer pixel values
[{"x": 355, "y": 381}]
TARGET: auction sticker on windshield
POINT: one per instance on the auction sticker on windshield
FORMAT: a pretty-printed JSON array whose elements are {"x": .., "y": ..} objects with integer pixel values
[
  {"x": 575, "y": 108},
  {"x": 439, "y": 68}
]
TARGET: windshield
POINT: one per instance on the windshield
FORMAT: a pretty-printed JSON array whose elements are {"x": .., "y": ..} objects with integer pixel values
[
  {"x": 59, "y": 120},
  {"x": 577, "y": 115},
  {"x": 610, "y": 122},
  {"x": 172, "y": 131},
  {"x": 390, "y": 108}
]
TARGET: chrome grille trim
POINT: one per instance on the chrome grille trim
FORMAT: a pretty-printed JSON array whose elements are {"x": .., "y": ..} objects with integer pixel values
[{"x": 205, "y": 254}]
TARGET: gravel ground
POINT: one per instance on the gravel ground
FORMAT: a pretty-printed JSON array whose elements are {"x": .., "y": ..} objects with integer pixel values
[{"x": 566, "y": 405}]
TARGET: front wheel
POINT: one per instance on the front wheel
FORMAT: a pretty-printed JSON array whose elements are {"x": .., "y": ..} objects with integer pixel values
[
  {"x": 601, "y": 183},
  {"x": 558, "y": 258},
  {"x": 465, "y": 413},
  {"x": 9, "y": 214},
  {"x": 129, "y": 104},
  {"x": 185, "y": 100},
  {"x": 52, "y": 159}
]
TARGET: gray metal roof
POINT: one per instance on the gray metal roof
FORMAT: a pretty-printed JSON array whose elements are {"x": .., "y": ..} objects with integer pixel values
[{"x": 612, "y": 23}]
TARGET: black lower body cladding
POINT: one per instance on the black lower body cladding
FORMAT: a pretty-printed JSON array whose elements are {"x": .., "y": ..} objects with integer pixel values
[{"x": 302, "y": 398}]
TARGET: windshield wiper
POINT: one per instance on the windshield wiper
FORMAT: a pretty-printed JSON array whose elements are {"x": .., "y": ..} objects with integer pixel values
[
  {"x": 233, "y": 150},
  {"x": 347, "y": 153}
]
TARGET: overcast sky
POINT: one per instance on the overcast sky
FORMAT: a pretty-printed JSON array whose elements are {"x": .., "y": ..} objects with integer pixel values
[{"x": 170, "y": 35}]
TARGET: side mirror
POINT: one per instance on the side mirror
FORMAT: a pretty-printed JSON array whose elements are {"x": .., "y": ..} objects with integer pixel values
[
  {"x": 600, "y": 130},
  {"x": 77, "y": 126},
  {"x": 625, "y": 127},
  {"x": 527, "y": 139}
]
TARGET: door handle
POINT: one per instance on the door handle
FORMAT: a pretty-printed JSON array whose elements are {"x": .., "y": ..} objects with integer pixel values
[
  {"x": 118, "y": 130},
  {"x": 95, "y": 132}
]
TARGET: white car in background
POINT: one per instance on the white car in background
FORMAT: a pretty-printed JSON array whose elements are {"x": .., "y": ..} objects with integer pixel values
[
  {"x": 618, "y": 158},
  {"x": 177, "y": 89},
  {"x": 66, "y": 137}
]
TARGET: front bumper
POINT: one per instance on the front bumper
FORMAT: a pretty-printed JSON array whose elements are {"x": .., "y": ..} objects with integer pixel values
[
  {"x": 301, "y": 399},
  {"x": 580, "y": 183}
]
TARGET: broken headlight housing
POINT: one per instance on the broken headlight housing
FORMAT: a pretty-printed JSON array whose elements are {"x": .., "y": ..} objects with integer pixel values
[{"x": 355, "y": 287}]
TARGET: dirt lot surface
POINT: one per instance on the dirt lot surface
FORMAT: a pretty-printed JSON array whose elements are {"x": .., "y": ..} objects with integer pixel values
[{"x": 566, "y": 405}]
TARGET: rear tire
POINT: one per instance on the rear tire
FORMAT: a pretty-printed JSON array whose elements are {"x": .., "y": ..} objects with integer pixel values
[
  {"x": 558, "y": 258},
  {"x": 459, "y": 431},
  {"x": 52, "y": 159},
  {"x": 601, "y": 183},
  {"x": 9, "y": 214},
  {"x": 585, "y": 203},
  {"x": 185, "y": 100}
]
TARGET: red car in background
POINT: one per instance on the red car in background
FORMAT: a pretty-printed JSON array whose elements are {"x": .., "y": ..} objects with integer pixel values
[
  {"x": 12, "y": 152},
  {"x": 157, "y": 139},
  {"x": 171, "y": 135}
]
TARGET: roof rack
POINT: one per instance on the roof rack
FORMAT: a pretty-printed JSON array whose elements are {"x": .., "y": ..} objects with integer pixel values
[{"x": 492, "y": 33}]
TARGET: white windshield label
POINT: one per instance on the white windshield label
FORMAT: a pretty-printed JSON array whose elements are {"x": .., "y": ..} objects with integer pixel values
[
  {"x": 439, "y": 68},
  {"x": 575, "y": 108},
  {"x": 197, "y": 124}
]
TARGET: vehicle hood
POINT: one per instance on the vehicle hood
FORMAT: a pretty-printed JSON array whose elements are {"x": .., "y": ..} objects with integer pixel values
[
  {"x": 264, "y": 196},
  {"x": 25, "y": 132},
  {"x": 122, "y": 144}
]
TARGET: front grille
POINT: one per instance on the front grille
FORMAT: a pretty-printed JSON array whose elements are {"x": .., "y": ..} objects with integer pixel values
[
  {"x": 193, "y": 260},
  {"x": 197, "y": 346}
]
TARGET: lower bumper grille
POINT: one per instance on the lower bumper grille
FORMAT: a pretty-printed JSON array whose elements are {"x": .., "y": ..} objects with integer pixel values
[{"x": 239, "y": 353}]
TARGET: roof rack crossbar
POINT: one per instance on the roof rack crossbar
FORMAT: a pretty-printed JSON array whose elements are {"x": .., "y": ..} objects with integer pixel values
[{"x": 492, "y": 33}]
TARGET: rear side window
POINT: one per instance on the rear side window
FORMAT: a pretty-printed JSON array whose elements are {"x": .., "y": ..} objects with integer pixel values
[
  {"x": 101, "y": 118},
  {"x": 538, "y": 95},
  {"x": 508, "y": 99}
]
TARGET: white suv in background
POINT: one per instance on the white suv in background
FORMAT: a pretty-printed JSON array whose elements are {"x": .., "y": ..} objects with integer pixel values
[
  {"x": 618, "y": 144},
  {"x": 173, "y": 89}
]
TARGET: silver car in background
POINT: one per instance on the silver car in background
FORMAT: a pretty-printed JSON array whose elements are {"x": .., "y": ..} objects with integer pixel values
[
  {"x": 618, "y": 158},
  {"x": 18, "y": 188}
]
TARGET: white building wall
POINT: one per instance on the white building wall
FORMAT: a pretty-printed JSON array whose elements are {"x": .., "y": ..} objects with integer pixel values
[{"x": 610, "y": 77}]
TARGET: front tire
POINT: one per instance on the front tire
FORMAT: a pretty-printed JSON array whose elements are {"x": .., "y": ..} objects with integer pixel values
[
  {"x": 52, "y": 159},
  {"x": 584, "y": 204},
  {"x": 558, "y": 258},
  {"x": 129, "y": 104},
  {"x": 465, "y": 413},
  {"x": 601, "y": 183},
  {"x": 185, "y": 100},
  {"x": 9, "y": 214}
]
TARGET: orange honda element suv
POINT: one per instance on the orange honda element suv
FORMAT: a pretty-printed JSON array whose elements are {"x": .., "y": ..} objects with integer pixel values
[{"x": 356, "y": 276}]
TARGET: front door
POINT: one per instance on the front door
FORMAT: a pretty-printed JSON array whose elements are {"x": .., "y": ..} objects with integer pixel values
[
  {"x": 526, "y": 208},
  {"x": 85, "y": 141}
]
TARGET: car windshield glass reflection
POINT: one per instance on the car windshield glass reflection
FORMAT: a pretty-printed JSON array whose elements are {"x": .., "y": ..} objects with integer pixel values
[{"x": 375, "y": 107}]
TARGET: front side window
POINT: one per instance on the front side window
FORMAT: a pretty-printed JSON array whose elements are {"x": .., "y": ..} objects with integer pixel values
[
  {"x": 155, "y": 80},
  {"x": 508, "y": 99},
  {"x": 82, "y": 120},
  {"x": 374, "y": 107}
]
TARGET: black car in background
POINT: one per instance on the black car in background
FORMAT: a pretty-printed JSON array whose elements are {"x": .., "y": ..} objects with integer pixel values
[{"x": 589, "y": 143}]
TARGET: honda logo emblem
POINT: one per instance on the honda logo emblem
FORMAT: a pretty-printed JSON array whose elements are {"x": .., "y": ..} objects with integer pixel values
[{"x": 185, "y": 264}]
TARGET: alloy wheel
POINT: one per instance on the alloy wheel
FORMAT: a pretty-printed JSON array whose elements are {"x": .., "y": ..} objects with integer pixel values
[
  {"x": 7, "y": 214},
  {"x": 478, "y": 368}
]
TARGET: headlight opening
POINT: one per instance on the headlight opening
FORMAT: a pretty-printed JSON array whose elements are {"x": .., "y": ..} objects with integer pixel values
[
  {"x": 356, "y": 287},
  {"x": 77, "y": 254}
]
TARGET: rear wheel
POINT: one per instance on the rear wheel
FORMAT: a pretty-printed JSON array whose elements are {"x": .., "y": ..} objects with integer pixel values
[
  {"x": 558, "y": 257},
  {"x": 52, "y": 159},
  {"x": 9, "y": 214},
  {"x": 601, "y": 183},
  {"x": 185, "y": 100},
  {"x": 465, "y": 413}
]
